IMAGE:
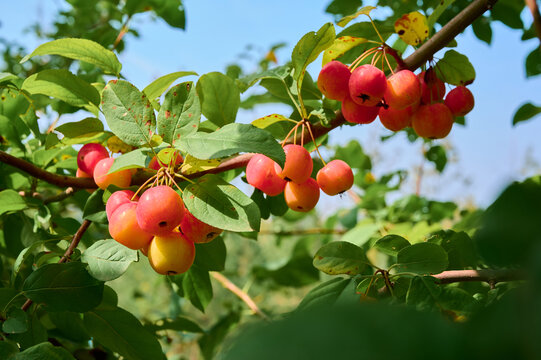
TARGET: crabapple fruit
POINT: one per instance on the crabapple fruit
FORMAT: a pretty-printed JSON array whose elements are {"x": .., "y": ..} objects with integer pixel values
[
  {"x": 367, "y": 85},
  {"x": 460, "y": 101},
  {"x": 298, "y": 166},
  {"x": 124, "y": 228},
  {"x": 396, "y": 119},
  {"x": 335, "y": 177},
  {"x": 118, "y": 198},
  {"x": 155, "y": 164},
  {"x": 120, "y": 178},
  {"x": 89, "y": 155},
  {"x": 333, "y": 80},
  {"x": 359, "y": 114},
  {"x": 159, "y": 210},
  {"x": 262, "y": 173},
  {"x": 196, "y": 230},
  {"x": 171, "y": 253},
  {"x": 432, "y": 88},
  {"x": 302, "y": 197},
  {"x": 433, "y": 121},
  {"x": 403, "y": 90}
]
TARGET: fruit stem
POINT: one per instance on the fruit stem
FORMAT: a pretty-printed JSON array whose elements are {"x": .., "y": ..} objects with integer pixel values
[
  {"x": 173, "y": 182},
  {"x": 184, "y": 178},
  {"x": 363, "y": 56},
  {"x": 399, "y": 61},
  {"x": 302, "y": 135},
  {"x": 293, "y": 98},
  {"x": 387, "y": 60},
  {"x": 375, "y": 28},
  {"x": 143, "y": 186},
  {"x": 289, "y": 133},
  {"x": 315, "y": 144},
  {"x": 295, "y": 135}
]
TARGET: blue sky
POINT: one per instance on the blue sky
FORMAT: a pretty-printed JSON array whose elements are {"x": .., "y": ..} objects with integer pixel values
[{"x": 487, "y": 153}]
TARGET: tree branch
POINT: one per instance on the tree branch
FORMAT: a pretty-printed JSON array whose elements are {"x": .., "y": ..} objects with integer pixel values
[
  {"x": 226, "y": 283},
  {"x": 51, "y": 178},
  {"x": 69, "y": 251},
  {"x": 454, "y": 27},
  {"x": 447, "y": 33},
  {"x": 485, "y": 275}
]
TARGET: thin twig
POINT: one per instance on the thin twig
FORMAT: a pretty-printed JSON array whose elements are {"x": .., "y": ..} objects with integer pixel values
[
  {"x": 69, "y": 251},
  {"x": 226, "y": 283},
  {"x": 315, "y": 231}
]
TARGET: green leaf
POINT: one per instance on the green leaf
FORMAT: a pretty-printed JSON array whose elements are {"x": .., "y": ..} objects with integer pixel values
[
  {"x": 62, "y": 84},
  {"x": 128, "y": 112},
  {"x": 24, "y": 256},
  {"x": 278, "y": 73},
  {"x": 365, "y": 10},
  {"x": 197, "y": 287},
  {"x": 220, "y": 204},
  {"x": 325, "y": 293},
  {"x": 79, "y": 128},
  {"x": 70, "y": 325},
  {"x": 340, "y": 46},
  {"x": 44, "y": 351},
  {"x": 8, "y": 349},
  {"x": 10, "y": 200},
  {"x": 10, "y": 134},
  {"x": 80, "y": 49},
  {"x": 232, "y": 139},
  {"x": 510, "y": 232},
  {"x": 156, "y": 88},
  {"x": 35, "y": 334},
  {"x": 63, "y": 287},
  {"x": 438, "y": 156},
  {"x": 459, "y": 246},
  {"x": 269, "y": 120},
  {"x": 361, "y": 232},
  {"x": 211, "y": 256},
  {"x": 220, "y": 98},
  {"x": 211, "y": 342},
  {"x": 340, "y": 257},
  {"x": 436, "y": 13},
  {"x": 526, "y": 112},
  {"x": 391, "y": 244},
  {"x": 179, "y": 323},
  {"x": 134, "y": 159},
  {"x": 16, "y": 321},
  {"x": 7, "y": 77},
  {"x": 179, "y": 114},
  {"x": 108, "y": 259},
  {"x": 455, "y": 69},
  {"x": 94, "y": 209},
  {"x": 308, "y": 49},
  {"x": 533, "y": 63},
  {"x": 482, "y": 29},
  {"x": 422, "y": 258},
  {"x": 121, "y": 332},
  {"x": 172, "y": 11}
]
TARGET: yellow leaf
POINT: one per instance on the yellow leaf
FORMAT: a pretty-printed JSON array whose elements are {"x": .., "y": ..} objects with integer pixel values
[
  {"x": 268, "y": 120},
  {"x": 118, "y": 146},
  {"x": 340, "y": 46},
  {"x": 412, "y": 28},
  {"x": 193, "y": 165},
  {"x": 365, "y": 10}
]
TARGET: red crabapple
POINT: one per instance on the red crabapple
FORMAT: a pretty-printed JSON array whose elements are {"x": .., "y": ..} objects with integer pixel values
[
  {"x": 367, "y": 85},
  {"x": 302, "y": 197},
  {"x": 433, "y": 121},
  {"x": 403, "y": 90},
  {"x": 120, "y": 178},
  {"x": 118, "y": 198},
  {"x": 262, "y": 173},
  {"x": 196, "y": 230},
  {"x": 298, "y": 166},
  {"x": 359, "y": 114},
  {"x": 333, "y": 80},
  {"x": 432, "y": 88},
  {"x": 460, "y": 101},
  {"x": 124, "y": 228},
  {"x": 89, "y": 155},
  {"x": 159, "y": 210},
  {"x": 171, "y": 253},
  {"x": 396, "y": 120},
  {"x": 335, "y": 177}
]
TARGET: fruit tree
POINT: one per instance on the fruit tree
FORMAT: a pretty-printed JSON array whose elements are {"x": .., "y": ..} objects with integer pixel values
[{"x": 156, "y": 223}]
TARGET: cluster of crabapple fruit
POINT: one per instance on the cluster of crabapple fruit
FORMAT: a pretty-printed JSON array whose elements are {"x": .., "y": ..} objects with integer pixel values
[
  {"x": 157, "y": 223},
  {"x": 402, "y": 100},
  {"x": 301, "y": 192}
]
